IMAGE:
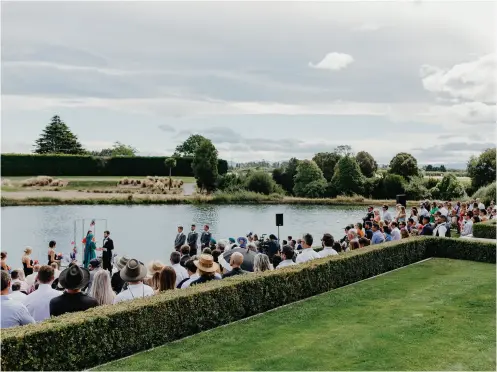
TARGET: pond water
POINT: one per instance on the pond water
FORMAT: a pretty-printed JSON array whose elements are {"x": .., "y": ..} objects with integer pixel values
[{"x": 148, "y": 232}]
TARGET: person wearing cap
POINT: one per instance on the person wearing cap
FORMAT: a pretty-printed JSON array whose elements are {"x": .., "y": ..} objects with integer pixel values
[
  {"x": 94, "y": 267},
  {"x": 116, "y": 282},
  {"x": 378, "y": 236},
  {"x": 370, "y": 215},
  {"x": 192, "y": 240},
  {"x": 133, "y": 273},
  {"x": 427, "y": 227},
  {"x": 180, "y": 239},
  {"x": 72, "y": 279},
  {"x": 205, "y": 238},
  {"x": 206, "y": 269}
]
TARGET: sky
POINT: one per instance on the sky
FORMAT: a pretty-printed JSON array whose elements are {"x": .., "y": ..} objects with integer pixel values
[{"x": 262, "y": 80}]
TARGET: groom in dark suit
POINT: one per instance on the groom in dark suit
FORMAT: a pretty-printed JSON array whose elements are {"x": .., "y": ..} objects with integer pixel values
[
  {"x": 108, "y": 247},
  {"x": 180, "y": 239}
]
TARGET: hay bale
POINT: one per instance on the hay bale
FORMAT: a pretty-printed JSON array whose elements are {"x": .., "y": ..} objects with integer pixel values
[
  {"x": 125, "y": 181},
  {"x": 134, "y": 183},
  {"x": 138, "y": 182}
]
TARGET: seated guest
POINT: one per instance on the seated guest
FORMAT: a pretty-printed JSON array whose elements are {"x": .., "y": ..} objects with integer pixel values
[
  {"x": 167, "y": 279},
  {"x": 338, "y": 247},
  {"x": 185, "y": 255},
  {"x": 286, "y": 257},
  {"x": 277, "y": 260},
  {"x": 364, "y": 242},
  {"x": 94, "y": 267},
  {"x": 207, "y": 251},
  {"x": 13, "y": 313},
  {"x": 404, "y": 234},
  {"x": 15, "y": 278},
  {"x": 327, "y": 242},
  {"x": 388, "y": 234},
  {"x": 353, "y": 239},
  {"x": 395, "y": 231},
  {"x": 378, "y": 236},
  {"x": 38, "y": 302},
  {"x": 411, "y": 224},
  {"x": 31, "y": 278},
  {"x": 307, "y": 253},
  {"x": 299, "y": 244},
  {"x": 116, "y": 281},
  {"x": 206, "y": 268},
  {"x": 16, "y": 293},
  {"x": 236, "y": 261},
  {"x": 180, "y": 270},
  {"x": 72, "y": 279},
  {"x": 345, "y": 240},
  {"x": 368, "y": 233},
  {"x": 133, "y": 273},
  {"x": 261, "y": 263},
  {"x": 468, "y": 224},
  {"x": 101, "y": 290},
  {"x": 192, "y": 272},
  {"x": 360, "y": 231},
  {"x": 56, "y": 271},
  {"x": 427, "y": 228}
]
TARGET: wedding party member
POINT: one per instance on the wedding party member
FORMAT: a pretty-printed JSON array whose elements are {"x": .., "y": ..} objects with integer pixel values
[
  {"x": 108, "y": 247},
  {"x": 205, "y": 238},
  {"x": 90, "y": 249},
  {"x": 27, "y": 262},
  {"x": 192, "y": 240},
  {"x": 180, "y": 239}
]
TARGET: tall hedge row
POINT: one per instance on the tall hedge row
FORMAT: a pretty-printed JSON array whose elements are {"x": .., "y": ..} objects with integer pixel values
[
  {"x": 75, "y": 165},
  {"x": 487, "y": 230},
  {"x": 83, "y": 340}
]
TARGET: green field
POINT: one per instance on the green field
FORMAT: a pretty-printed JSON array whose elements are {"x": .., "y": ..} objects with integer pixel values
[{"x": 436, "y": 315}]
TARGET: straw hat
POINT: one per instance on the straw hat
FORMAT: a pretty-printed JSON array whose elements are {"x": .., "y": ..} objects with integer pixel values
[
  {"x": 206, "y": 263},
  {"x": 134, "y": 271}
]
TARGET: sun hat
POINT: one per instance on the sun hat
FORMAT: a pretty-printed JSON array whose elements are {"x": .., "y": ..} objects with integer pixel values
[
  {"x": 121, "y": 262},
  {"x": 206, "y": 263},
  {"x": 134, "y": 271},
  {"x": 74, "y": 277},
  {"x": 242, "y": 241},
  {"x": 232, "y": 240}
]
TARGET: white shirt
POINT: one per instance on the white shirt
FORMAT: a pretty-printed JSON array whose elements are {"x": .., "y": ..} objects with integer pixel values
[
  {"x": 38, "y": 302},
  {"x": 444, "y": 211},
  {"x": 468, "y": 228},
  {"x": 328, "y": 251},
  {"x": 14, "y": 313},
  {"x": 30, "y": 279},
  {"x": 442, "y": 229},
  {"x": 423, "y": 212},
  {"x": 285, "y": 263},
  {"x": 17, "y": 295},
  {"x": 24, "y": 285},
  {"x": 56, "y": 274},
  {"x": 307, "y": 254},
  {"x": 395, "y": 234},
  {"x": 481, "y": 206},
  {"x": 134, "y": 291},
  {"x": 387, "y": 216},
  {"x": 181, "y": 273}
]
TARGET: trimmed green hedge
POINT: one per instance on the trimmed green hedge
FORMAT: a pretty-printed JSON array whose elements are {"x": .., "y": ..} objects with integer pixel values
[
  {"x": 83, "y": 340},
  {"x": 76, "y": 165},
  {"x": 485, "y": 230}
]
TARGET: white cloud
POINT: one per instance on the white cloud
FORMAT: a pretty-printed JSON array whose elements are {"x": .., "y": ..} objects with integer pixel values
[
  {"x": 333, "y": 61},
  {"x": 365, "y": 27},
  {"x": 471, "y": 81}
]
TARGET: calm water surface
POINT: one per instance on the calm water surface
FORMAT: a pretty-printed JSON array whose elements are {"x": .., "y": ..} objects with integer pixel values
[{"x": 148, "y": 232}]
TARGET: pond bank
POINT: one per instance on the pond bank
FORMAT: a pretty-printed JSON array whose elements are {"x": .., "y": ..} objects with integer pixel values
[{"x": 34, "y": 198}]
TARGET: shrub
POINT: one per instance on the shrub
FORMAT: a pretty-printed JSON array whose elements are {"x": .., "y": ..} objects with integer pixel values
[
  {"x": 230, "y": 182},
  {"x": 404, "y": 164},
  {"x": 416, "y": 190},
  {"x": 260, "y": 182},
  {"x": 486, "y": 230},
  {"x": 393, "y": 184},
  {"x": 309, "y": 173},
  {"x": 448, "y": 188},
  {"x": 430, "y": 182},
  {"x": 486, "y": 193},
  {"x": 111, "y": 332}
]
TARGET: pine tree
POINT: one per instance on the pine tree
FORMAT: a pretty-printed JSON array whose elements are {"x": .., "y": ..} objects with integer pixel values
[{"x": 58, "y": 139}]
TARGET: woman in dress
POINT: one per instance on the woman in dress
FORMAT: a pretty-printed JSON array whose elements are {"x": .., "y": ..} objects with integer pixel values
[
  {"x": 4, "y": 265},
  {"x": 376, "y": 215},
  {"x": 90, "y": 248},
  {"x": 414, "y": 215},
  {"x": 27, "y": 262},
  {"x": 401, "y": 216}
]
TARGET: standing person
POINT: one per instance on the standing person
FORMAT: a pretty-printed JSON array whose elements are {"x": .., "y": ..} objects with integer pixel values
[
  {"x": 3, "y": 256},
  {"x": 90, "y": 249},
  {"x": 181, "y": 273},
  {"x": 133, "y": 273},
  {"x": 101, "y": 289},
  {"x": 387, "y": 217},
  {"x": 273, "y": 246},
  {"x": 108, "y": 247},
  {"x": 72, "y": 279},
  {"x": 192, "y": 240},
  {"x": 38, "y": 302},
  {"x": 27, "y": 262},
  {"x": 180, "y": 239},
  {"x": 51, "y": 251},
  {"x": 116, "y": 282},
  {"x": 205, "y": 238},
  {"x": 378, "y": 236},
  {"x": 369, "y": 215},
  {"x": 13, "y": 313},
  {"x": 287, "y": 254},
  {"x": 327, "y": 242},
  {"x": 307, "y": 253}
]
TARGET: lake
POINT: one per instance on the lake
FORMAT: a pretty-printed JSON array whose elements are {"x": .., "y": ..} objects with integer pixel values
[{"x": 148, "y": 232}]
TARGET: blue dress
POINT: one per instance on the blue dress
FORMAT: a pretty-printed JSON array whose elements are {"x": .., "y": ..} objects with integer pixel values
[{"x": 90, "y": 248}]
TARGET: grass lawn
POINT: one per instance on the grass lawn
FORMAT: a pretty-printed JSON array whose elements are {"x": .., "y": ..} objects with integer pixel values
[
  {"x": 436, "y": 315},
  {"x": 96, "y": 179}
]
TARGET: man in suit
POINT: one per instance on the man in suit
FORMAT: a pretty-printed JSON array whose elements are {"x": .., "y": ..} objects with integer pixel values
[
  {"x": 192, "y": 240},
  {"x": 205, "y": 238},
  {"x": 108, "y": 247},
  {"x": 180, "y": 239}
]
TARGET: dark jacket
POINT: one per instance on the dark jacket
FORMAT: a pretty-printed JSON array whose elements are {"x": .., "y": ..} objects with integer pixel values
[
  {"x": 205, "y": 238},
  {"x": 192, "y": 238},
  {"x": 369, "y": 217},
  {"x": 109, "y": 244},
  {"x": 179, "y": 241},
  {"x": 427, "y": 230},
  {"x": 183, "y": 259},
  {"x": 369, "y": 234},
  {"x": 116, "y": 282},
  {"x": 71, "y": 303},
  {"x": 235, "y": 271},
  {"x": 204, "y": 279}
]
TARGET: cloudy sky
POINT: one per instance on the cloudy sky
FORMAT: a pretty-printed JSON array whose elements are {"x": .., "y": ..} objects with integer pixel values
[{"x": 262, "y": 80}]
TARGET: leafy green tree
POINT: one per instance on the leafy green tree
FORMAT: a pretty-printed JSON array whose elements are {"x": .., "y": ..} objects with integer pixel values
[
  {"x": 189, "y": 147},
  {"x": 118, "y": 149},
  {"x": 348, "y": 179},
  {"x": 448, "y": 188},
  {"x": 327, "y": 161},
  {"x": 392, "y": 185},
  {"x": 205, "y": 166},
  {"x": 404, "y": 164},
  {"x": 58, "y": 139},
  {"x": 309, "y": 180},
  {"x": 343, "y": 150},
  {"x": 286, "y": 176},
  {"x": 261, "y": 182},
  {"x": 170, "y": 163},
  {"x": 481, "y": 169},
  {"x": 367, "y": 164}
]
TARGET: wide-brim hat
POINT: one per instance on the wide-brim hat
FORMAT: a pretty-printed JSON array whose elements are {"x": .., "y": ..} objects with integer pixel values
[
  {"x": 121, "y": 262},
  {"x": 74, "y": 277},
  {"x": 206, "y": 263},
  {"x": 134, "y": 271}
]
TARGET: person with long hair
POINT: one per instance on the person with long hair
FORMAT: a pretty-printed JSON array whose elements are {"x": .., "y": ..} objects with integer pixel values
[
  {"x": 90, "y": 248},
  {"x": 101, "y": 289},
  {"x": 4, "y": 262},
  {"x": 27, "y": 262},
  {"x": 167, "y": 279},
  {"x": 414, "y": 215},
  {"x": 261, "y": 263},
  {"x": 376, "y": 215},
  {"x": 154, "y": 269}
]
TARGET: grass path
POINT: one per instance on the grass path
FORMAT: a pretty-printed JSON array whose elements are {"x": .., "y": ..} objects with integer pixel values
[{"x": 437, "y": 315}]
